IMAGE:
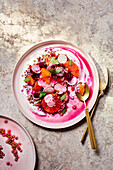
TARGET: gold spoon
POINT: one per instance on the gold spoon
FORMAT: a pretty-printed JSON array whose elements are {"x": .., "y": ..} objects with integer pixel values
[
  {"x": 89, "y": 123},
  {"x": 101, "y": 92}
]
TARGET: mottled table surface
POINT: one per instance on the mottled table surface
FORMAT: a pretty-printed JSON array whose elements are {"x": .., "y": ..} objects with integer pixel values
[{"x": 87, "y": 23}]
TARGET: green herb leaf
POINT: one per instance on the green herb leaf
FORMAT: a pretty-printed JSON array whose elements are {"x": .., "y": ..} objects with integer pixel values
[
  {"x": 63, "y": 111},
  {"x": 57, "y": 71},
  {"x": 51, "y": 70},
  {"x": 54, "y": 61},
  {"x": 70, "y": 63},
  {"x": 63, "y": 97},
  {"x": 27, "y": 79},
  {"x": 42, "y": 94}
]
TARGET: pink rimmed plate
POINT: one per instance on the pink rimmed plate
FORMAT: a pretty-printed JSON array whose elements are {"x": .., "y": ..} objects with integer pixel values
[
  {"x": 71, "y": 117},
  {"x": 27, "y": 157}
]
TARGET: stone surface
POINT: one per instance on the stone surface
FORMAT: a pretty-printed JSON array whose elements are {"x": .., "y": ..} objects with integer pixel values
[{"x": 88, "y": 23}]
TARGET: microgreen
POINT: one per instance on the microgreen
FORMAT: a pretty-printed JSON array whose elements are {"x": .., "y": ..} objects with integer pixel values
[
  {"x": 57, "y": 71},
  {"x": 54, "y": 61},
  {"x": 63, "y": 97},
  {"x": 70, "y": 63},
  {"x": 42, "y": 94},
  {"x": 64, "y": 110},
  {"x": 27, "y": 79},
  {"x": 53, "y": 71}
]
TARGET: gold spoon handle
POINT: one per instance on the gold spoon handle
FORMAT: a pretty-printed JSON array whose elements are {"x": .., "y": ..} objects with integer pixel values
[
  {"x": 84, "y": 134},
  {"x": 90, "y": 129}
]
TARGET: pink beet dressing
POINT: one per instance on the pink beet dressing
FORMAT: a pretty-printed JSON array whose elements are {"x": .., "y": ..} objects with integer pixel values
[{"x": 74, "y": 106}]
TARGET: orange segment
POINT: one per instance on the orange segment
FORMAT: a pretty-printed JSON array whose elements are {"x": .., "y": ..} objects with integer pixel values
[
  {"x": 31, "y": 81},
  {"x": 74, "y": 69},
  {"x": 47, "y": 79},
  {"x": 46, "y": 75},
  {"x": 81, "y": 89}
]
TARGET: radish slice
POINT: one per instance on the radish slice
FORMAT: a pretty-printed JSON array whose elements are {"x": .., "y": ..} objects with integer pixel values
[
  {"x": 62, "y": 58},
  {"x": 48, "y": 98},
  {"x": 36, "y": 69},
  {"x": 48, "y": 89},
  {"x": 42, "y": 83},
  {"x": 73, "y": 81},
  {"x": 51, "y": 103},
  {"x": 60, "y": 88},
  {"x": 29, "y": 90}
]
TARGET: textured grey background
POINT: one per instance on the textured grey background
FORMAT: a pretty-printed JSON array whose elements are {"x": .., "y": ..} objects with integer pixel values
[{"x": 87, "y": 23}]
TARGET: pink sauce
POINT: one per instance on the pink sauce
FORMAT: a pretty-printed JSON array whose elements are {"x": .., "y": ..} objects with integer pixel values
[{"x": 75, "y": 106}]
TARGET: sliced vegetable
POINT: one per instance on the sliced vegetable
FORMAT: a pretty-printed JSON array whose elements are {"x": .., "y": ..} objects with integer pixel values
[
  {"x": 62, "y": 58},
  {"x": 49, "y": 89},
  {"x": 35, "y": 68},
  {"x": 60, "y": 88},
  {"x": 73, "y": 81}
]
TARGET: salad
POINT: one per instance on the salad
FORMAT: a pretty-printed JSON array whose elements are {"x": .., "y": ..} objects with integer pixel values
[{"x": 49, "y": 80}]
